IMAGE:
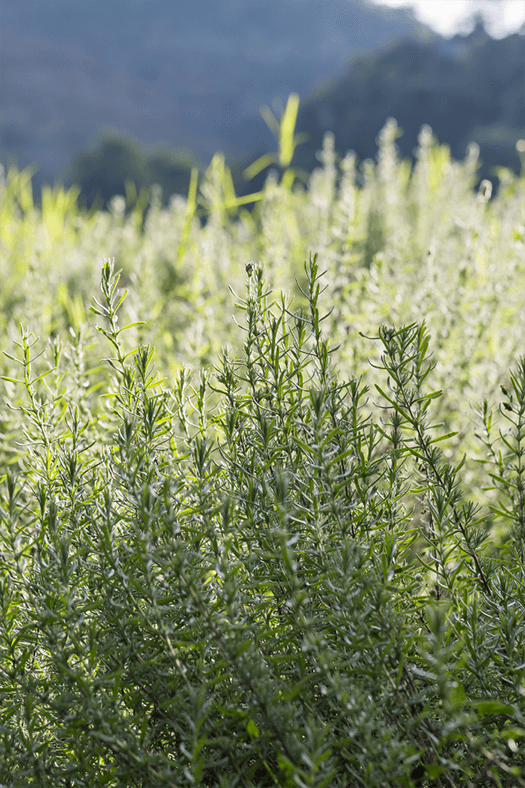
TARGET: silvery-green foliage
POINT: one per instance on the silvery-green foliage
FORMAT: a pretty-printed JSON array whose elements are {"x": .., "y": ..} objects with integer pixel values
[{"x": 266, "y": 575}]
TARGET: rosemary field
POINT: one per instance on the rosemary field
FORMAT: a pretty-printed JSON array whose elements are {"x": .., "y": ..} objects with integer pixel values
[{"x": 262, "y": 506}]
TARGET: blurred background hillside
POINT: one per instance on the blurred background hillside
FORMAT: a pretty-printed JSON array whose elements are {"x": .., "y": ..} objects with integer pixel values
[{"x": 112, "y": 90}]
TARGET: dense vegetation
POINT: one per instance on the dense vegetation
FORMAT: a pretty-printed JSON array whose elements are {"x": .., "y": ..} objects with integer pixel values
[{"x": 285, "y": 550}]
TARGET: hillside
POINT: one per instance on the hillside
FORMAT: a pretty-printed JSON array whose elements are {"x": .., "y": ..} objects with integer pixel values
[
  {"x": 186, "y": 74},
  {"x": 466, "y": 90}
]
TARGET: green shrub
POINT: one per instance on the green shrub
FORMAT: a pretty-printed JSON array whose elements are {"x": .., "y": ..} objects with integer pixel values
[{"x": 264, "y": 576}]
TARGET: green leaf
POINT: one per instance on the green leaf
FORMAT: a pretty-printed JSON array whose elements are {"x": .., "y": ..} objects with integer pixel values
[
  {"x": 259, "y": 165},
  {"x": 252, "y": 729},
  {"x": 488, "y": 707},
  {"x": 286, "y": 131}
]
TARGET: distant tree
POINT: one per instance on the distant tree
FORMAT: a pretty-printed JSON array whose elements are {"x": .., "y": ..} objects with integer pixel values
[
  {"x": 103, "y": 172},
  {"x": 117, "y": 159}
]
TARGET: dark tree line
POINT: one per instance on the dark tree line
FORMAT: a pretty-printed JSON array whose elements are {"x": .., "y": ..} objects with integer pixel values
[{"x": 468, "y": 90}]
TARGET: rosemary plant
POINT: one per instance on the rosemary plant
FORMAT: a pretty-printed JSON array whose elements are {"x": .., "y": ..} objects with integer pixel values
[{"x": 267, "y": 576}]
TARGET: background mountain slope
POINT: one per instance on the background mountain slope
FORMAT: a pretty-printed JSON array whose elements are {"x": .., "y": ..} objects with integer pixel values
[{"x": 188, "y": 74}]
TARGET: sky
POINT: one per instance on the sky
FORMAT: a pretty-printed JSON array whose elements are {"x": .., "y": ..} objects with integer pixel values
[{"x": 448, "y": 17}]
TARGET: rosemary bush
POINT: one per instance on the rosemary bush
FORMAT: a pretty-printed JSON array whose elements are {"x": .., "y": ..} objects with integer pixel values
[{"x": 265, "y": 574}]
